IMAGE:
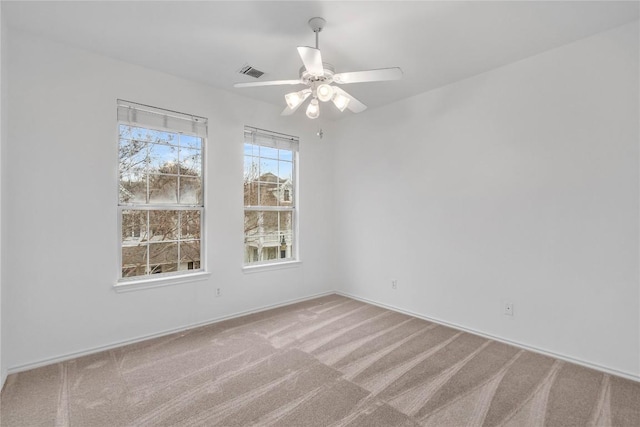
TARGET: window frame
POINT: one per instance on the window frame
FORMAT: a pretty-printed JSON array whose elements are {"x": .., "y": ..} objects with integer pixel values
[
  {"x": 294, "y": 258},
  {"x": 149, "y": 280}
]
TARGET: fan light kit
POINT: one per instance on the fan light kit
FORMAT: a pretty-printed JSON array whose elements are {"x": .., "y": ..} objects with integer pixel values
[{"x": 318, "y": 76}]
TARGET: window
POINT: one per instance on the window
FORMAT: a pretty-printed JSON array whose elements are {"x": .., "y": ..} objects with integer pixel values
[
  {"x": 269, "y": 197},
  {"x": 160, "y": 204}
]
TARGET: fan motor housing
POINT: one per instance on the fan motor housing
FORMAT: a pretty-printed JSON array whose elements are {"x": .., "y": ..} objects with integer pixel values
[{"x": 327, "y": 77}]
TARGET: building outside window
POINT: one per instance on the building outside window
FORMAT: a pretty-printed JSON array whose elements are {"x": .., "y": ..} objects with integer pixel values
[
  {"x": 161, "y": 203},
  {"x": 270, "y": 213}
]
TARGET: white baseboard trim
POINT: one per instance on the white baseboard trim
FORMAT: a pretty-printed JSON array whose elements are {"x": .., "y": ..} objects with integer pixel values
[
  {"x": 627, "y": 375},
  {"x": 68, "y": 356},
  {"x": 64, "y": 357}
]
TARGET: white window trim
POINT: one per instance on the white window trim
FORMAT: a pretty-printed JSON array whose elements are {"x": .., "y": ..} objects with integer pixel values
[
  {"x": 126, "y": 284},
  {"x": 270, "y": 265},
  {"x": 158, "y": 282}
]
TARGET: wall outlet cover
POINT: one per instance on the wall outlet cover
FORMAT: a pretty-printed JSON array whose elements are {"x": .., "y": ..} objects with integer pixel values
[{"x": 508, "y": 309}]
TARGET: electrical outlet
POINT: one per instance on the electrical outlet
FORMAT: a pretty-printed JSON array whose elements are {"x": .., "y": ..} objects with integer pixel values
[
  {"x": 218, "y": 292},
  {"x": 394, "y": 284},
  {"x": 508, "y": 309}
]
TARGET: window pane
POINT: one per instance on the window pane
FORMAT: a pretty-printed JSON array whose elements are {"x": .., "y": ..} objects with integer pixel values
[
  {"x": 285, "y": 171},
  {"x": 286, "y": 235},
  {"x": 269, "y": 253},
  {"x": 191, "y": 161},
  {"x": 163, "y": 189},
  {"x": 163, "y": 158},
  {"x": 190, "y": 190},
  {"x": 285, "y": 192},
  {"x": 251, "y": 253},
  {"x": 286, "y": 195},
  {"x": 163, "y": 225},
  {"x": 190, "y": 141},
  {"x": 132, "y": 164},
  {"x": 134, "y": 260},
  {"x": 250, "y": 223},
  {"x": 250, "y": 193},
  {"x": 250, "y": 168},
  {"x": 270, "y": 231},
  {"x": 270, "y": 234},
  {"x": 132, "y": 271},
  {"x": 147, "y": 135},
  {"x": 285, "y": 155},
  {"x": 250, "y": 178},
  {"x": 133, "y": 189},
  {"x": 134, "y": 227},
  {"x": 268, "y": 169},
  {"x": 168, "y": 267},
  {"x": 286, "y": 224},
  {"x": 268, "y": 152},
  {"x": 268, "y": 193},
  {"x": 136, "y": 133},
  {"x": 190, "y": 225},
  {"x": 189, "y": 252},
  {"x": 132, "y": 156},
  {"x": 163, "y": 257},
  {"x": 160, "y": 137},
  {"x": 124, "y": 131},
  {"x": 250, "y": 149}
]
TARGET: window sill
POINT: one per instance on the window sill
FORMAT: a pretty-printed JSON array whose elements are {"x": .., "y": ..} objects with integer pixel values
[
  {"x": 248, "y": 269},
  {"x": 137, "y": 285}
]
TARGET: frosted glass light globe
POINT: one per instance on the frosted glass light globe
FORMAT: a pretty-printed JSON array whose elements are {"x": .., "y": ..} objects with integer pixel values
[
  {"x": 324, "y": 92},
  {"x": 313, "y": 110}
]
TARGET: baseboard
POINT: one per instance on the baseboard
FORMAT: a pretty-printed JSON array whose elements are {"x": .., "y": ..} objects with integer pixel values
[
  {"x": 62, "y": 358},
  {"x": 68, "y": 356},
  {"x": 3, "y": 379},
  {"x": 545, "y": 352}
]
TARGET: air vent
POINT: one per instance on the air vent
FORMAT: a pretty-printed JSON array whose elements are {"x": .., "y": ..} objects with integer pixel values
[{"x": 248, "y": 70}]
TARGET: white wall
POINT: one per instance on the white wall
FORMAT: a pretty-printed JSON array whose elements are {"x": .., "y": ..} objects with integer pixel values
[
  {"x": 60, "y": 197},
  {"x": 3, "y": 111},
  {"x": 520, "y": 184}
]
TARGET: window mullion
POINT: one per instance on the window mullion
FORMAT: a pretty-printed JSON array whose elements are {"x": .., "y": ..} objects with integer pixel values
[
  {"x": 179, "y": 236},
  {"x": 148, "y": 266}
]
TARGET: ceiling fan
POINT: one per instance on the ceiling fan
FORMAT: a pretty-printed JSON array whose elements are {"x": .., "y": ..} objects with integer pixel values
[{"x": 318, "y": 76}]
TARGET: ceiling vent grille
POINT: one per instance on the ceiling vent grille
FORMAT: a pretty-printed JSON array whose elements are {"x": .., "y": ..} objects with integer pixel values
[{"x": 248, "y": 70}]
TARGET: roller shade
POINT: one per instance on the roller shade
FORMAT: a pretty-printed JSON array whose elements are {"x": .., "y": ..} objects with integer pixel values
[
  {"x": 270, "y": 139},
  {"x": 163, "y": 120}
]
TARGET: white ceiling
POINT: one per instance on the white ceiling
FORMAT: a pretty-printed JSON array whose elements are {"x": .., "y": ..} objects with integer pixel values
[{"x": 434, "y": 42}]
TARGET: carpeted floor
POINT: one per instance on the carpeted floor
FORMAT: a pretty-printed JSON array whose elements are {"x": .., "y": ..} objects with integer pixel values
[{"x": 330, "y": 361}]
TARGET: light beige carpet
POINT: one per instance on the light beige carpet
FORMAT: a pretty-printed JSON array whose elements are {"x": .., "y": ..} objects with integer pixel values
[{"x": 331, "y": 361}]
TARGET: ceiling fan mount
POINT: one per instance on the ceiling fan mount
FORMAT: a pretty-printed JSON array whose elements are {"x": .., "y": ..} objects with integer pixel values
[
  {"x": 317, "y": 24},
  {"x": 318, "y": 76}
]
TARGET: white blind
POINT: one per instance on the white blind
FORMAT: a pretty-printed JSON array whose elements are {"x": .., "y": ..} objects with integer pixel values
[
  {"x": 165, "y": 120},
  {"x": 270, "y": 139}
]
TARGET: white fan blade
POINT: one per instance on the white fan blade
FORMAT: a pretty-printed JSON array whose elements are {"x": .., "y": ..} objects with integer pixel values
[
  {"x": 269, "y": 83},
  {"x": 368, "y": 76},
  {"x": 354, "y": 105},
  {"x": 312, "y": 60},
  {"x": 288, "y": 111}
]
